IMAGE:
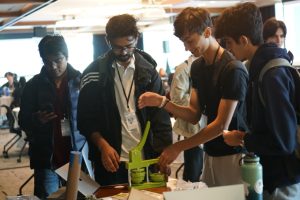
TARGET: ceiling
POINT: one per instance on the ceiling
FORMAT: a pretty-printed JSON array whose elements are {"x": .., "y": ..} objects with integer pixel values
[{"x": 92, "y": 15}]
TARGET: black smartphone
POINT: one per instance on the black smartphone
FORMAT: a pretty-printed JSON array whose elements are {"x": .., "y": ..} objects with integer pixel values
[{"x": 47, "y": 107}]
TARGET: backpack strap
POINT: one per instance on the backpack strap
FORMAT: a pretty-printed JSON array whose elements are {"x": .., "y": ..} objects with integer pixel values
[{"x": 276, "y": 62}]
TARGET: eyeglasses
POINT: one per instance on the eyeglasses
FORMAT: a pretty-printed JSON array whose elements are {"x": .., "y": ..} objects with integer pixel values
[{"x": 120, "y": 49}]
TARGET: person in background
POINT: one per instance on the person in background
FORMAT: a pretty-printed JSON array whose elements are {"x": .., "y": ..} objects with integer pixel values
[
  {"x": 219, "y": 85},
  {"x": 107, "y": 106},
  {"x": 180, "y": 94},
  {"x": 274, "y": 31},
  {"x": 17, "y": 93},
  {"x": 12, "y": 82},
  {"x": 273, "y": 126},
  {"x": 48, "y": 114},
  {"x": 165, "y": 80}
]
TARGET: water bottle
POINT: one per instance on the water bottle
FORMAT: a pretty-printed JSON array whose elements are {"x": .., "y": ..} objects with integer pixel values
[{"x": 252, "y": 177}]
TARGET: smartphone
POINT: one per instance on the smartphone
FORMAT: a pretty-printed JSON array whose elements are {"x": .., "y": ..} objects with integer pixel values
[{"x": 47, "y": 107}]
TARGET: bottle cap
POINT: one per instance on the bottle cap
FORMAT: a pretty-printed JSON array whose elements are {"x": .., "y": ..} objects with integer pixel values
[{"x": 251, "y": 157}]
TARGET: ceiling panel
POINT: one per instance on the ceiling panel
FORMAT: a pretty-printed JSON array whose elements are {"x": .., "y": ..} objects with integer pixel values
[
  {"x": 87, "y": 15},
  {"x": 12, "y": 11}
]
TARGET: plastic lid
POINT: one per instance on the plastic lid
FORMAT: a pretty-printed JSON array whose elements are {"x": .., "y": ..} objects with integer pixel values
[{"x": 251, "y": 157}]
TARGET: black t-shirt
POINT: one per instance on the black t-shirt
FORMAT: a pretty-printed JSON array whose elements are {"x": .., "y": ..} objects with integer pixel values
[{"x": 226, "y": 79}]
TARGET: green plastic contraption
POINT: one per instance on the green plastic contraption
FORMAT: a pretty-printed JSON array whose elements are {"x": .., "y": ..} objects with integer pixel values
[{"x": 137, "y": 177}]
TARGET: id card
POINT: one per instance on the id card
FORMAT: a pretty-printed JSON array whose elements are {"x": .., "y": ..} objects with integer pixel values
[
  {"x": 131, "y": 121},
  {"x": 65, "y": 127}
]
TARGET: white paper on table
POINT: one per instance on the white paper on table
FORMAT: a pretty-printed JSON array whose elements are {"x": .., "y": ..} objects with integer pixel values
[
  {"x": 86, "y": 185},
  {"x": 142, "y": 195},
  {"x": 184, "y": 185},
  {"x": 230, "y": 192}
]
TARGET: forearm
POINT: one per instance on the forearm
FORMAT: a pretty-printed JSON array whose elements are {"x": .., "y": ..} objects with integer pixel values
[
  {"x": 208, "y": 133},
  {"x": 184, "y": 112},
  {"x": 98, "y": 140}
]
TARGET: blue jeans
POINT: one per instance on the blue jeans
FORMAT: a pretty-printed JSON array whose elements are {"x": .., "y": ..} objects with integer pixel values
[
  {"x": 291, "y": 192},
  {"x": 46, "y": 182},
  {"x": 193, "y": 163}
]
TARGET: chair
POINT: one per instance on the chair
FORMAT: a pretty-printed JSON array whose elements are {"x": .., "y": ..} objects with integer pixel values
[{"x": 13, "y": 129}]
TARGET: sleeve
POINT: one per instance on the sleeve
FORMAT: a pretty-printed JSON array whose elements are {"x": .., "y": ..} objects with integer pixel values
[
  {"x": 160, "y": 119},
  {"x": 179, "y": 92},
  {"x": 29, "y": 105},
  {"x": 281, "y": 122},
  {"x": 195, "y": 72},
  {"x": 235, "y": 82},
  {"x": 88, "y": 116}
]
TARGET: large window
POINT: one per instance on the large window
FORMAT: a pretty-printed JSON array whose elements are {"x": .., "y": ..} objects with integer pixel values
[
  {"x": 21, "y": 56},
  {"x": 153, "y": 44}
]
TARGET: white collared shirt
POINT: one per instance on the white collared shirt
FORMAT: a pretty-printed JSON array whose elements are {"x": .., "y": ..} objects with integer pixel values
[{"x": 131, "y": 138}]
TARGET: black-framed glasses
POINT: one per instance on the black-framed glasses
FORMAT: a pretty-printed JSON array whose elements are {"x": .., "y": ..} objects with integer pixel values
[{"x": 119, "y": 49}]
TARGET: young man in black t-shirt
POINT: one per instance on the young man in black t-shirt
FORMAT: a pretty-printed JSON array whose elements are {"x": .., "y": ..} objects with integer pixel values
[{"x": 218, "y": 94}]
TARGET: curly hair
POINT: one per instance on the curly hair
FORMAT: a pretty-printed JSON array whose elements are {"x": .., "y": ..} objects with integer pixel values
[
  {"x": 271, "y": 26},
  {"x": 192, "y": 20},
  {"x": 243, "y": 19},
  {"x": 121, "y": 26},
  {"x": 52, "y": 45}
]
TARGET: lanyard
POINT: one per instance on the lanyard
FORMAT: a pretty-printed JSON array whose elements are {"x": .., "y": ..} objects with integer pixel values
[
  {"x": 216, "y": 55},
  {"x": 126, "y": 97}
]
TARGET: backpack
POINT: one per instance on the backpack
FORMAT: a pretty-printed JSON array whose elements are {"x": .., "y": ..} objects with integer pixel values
[{"x": 279, "y": 62}]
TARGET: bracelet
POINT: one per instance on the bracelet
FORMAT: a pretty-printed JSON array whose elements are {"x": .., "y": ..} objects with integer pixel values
[
  {"x": 166, "y": 102},
  {"x": 163, "y": 102}
]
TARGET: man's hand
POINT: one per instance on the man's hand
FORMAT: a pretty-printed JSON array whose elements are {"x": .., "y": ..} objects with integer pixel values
[
  {"x": 167, "y": 157},
  {"x": 234, "y": 138},
  {"x": 150, "y": 99},
  {"x": 110, "y": 158},
  {"x": 45, "y": 117}
]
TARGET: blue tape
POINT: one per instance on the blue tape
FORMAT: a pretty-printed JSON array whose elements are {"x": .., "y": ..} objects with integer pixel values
[{"x": 72, "y": 157}]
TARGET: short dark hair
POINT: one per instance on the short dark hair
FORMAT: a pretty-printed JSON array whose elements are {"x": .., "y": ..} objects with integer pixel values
[
  {"x": 53, "y": 44},
  {"x": 270, "y": 27},
  {"x": 8, "y": 74},
  {"x": 192, "y": 20},
  {"x": 121, "y": 26},
  {"x": 243, "y": 19}
]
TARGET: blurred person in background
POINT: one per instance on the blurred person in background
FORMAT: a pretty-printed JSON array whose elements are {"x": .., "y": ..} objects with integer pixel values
[
  {"x": 274, "y": 31},
  {"x": 17, "y": 93},
  {"x": 12, "y": 82}
]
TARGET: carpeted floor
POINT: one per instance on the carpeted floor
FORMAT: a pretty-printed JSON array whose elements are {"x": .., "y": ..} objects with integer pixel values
[
  {"x": 13, "y": 153},
  {"x": 12, "y": 173}
]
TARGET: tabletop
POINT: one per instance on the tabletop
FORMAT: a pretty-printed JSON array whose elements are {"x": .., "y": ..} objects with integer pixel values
[{"x": 106, "y": 191}]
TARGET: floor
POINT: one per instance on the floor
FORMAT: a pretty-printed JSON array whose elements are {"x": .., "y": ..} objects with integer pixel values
[
  {"x": 12, "y": 173},
  {"x": 16, "y": 174}
]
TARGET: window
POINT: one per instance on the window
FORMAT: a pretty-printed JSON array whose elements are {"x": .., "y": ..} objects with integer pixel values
[{"x": 289, "y": 13}]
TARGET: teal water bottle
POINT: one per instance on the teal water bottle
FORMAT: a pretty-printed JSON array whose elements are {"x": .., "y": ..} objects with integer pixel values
[{"x": 252, "y": 177}]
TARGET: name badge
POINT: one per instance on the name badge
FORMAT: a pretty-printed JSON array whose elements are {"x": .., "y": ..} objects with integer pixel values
[
  {"x": 131, "y": 121},
  {"x": 65, "y": 127}
]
